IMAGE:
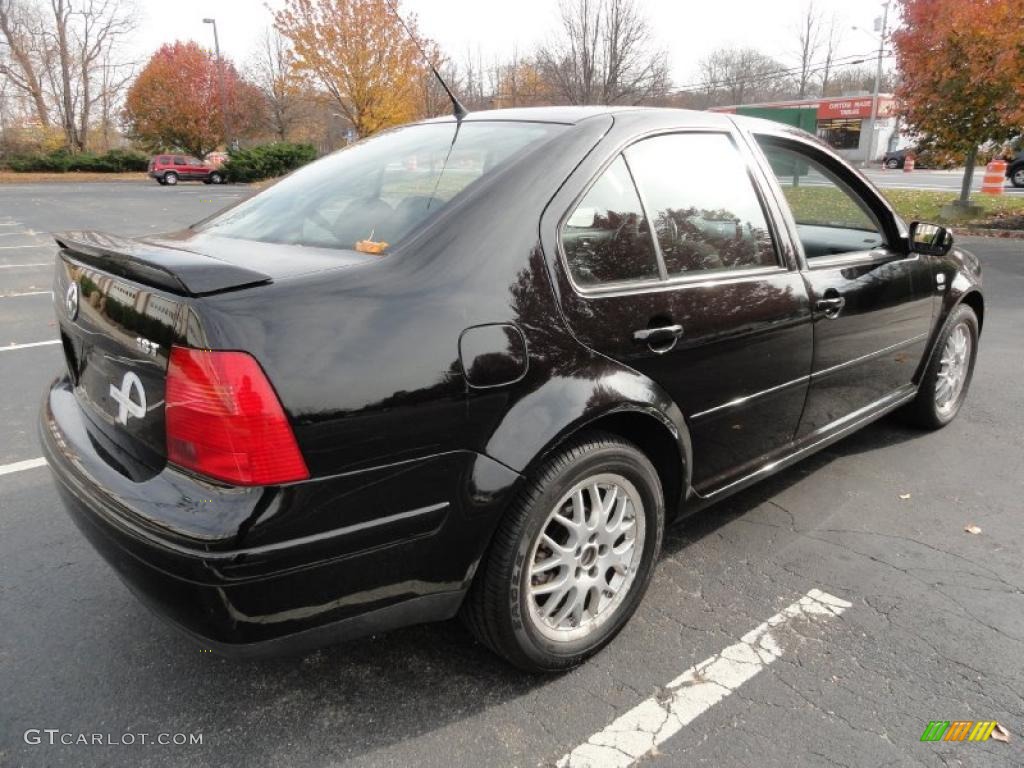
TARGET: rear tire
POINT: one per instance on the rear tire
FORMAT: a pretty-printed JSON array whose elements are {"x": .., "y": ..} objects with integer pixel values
[
  {"x": 945, "y": 382},
  {"x": 604, "y": 556},
  {"x": 1017, "y": 177},
  {"x": 170, "y": 178},
  {"x": 892, "y": 164}
]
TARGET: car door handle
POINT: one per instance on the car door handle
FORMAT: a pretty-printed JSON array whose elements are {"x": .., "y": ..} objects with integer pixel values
[
  {"x": 660, "y": 339},
  {"x": 831, "y": 306}
]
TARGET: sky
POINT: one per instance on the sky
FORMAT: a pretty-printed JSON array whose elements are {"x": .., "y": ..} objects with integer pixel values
[{"x": 687, "y": 29}]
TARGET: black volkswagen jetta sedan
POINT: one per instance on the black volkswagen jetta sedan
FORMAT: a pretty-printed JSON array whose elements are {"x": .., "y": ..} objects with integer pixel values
[{"x": 473, "y": 366}]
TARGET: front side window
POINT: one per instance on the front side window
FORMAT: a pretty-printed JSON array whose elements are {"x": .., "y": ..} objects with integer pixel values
[
  {"x": 706, "y": 213},
  {"x": 607, "y": 238},
  {"x": 372, "y": 195},
  {"x": 831, "y": 218}
]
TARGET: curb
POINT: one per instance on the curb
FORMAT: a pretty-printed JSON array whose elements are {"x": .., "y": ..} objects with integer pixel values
[{"x": 1006, "y": 234}]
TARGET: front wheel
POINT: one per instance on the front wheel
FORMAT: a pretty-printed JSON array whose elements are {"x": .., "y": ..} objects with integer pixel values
[
  {"x": 216, "y": 178},
  {"x": 944, "y": 384},
  {"x": 572, "y": 558},
  {"x": 892, "y": 163},
  {"x": 1017, "y": 177}
]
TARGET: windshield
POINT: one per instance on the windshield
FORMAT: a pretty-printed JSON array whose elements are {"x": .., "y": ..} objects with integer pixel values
[{"x": 370, "y": 196}]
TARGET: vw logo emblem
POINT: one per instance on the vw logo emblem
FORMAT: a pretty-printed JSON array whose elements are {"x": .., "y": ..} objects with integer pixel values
[{"x": 71, "y": 301}]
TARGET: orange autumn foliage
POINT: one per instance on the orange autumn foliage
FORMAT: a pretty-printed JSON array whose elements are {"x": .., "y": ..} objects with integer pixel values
[
  {"x": 358, "y": 52},
  {"x": 962, "y": 70},
  {"x": 174, "y": 102}
]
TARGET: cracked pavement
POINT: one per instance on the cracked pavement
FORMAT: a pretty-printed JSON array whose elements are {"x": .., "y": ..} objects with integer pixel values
[{"x": 935, "y": 630}]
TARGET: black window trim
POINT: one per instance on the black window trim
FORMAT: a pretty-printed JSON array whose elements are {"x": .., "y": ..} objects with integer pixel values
[
  {"x": 670, "y": 282},
  {"x": 894, "y": 246}
]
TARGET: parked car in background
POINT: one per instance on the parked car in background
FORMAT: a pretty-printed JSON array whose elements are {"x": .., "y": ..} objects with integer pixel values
[
  {"x": 896, "y": 158},
  {"x": 170, "y": 169},
  {"x": 1015, "y": 169},
  {"x": 473, "y": 367}
]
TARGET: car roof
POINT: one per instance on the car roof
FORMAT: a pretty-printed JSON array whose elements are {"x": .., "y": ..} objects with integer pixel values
[{"x": 571, "y": 115}]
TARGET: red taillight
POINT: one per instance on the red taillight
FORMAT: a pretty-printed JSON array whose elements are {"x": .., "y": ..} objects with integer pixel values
[{"x": 224, "y": 420}]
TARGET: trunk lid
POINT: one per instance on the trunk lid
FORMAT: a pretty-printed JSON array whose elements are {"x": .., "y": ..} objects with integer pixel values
[
  {"x": 117, "y": 336},
  {"x": 122, "y": 303}
]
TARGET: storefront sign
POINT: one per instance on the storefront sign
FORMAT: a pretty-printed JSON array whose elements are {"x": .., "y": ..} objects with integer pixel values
[{"x": 848, "y": 108}]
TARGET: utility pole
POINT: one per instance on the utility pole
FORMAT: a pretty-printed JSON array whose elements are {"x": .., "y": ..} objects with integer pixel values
[
  {"x": 878, "y": 83},
  {"x": 220, "y": 85}
]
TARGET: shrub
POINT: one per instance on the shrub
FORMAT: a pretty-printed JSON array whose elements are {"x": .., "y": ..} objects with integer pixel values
[
  {"x": 62, "y": 161},
  {"x": 267, "y": 161}
]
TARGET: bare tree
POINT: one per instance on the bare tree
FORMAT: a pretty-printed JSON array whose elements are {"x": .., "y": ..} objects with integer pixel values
[
  {"x": 833, "y": 39},
  {"x": 604, "y": 53},
  {"x": 271, "y": 71},
  {"x": 859, "y": 79},
  {"x": 809, "y": 41},
  {"x": 61, "y": 56},
  {"x": 742, "y": 76},
  {"x": 21, "y": 60},
  {"x": 114, "y": 80}
]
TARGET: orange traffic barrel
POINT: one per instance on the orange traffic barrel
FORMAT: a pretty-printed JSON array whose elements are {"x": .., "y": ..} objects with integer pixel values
[
  {"x": 908, "y": 163},
  {"x": 995, "y": 177}
]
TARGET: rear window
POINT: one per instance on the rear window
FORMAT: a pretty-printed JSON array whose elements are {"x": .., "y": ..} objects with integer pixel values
[{"x": 372, "y": 195}]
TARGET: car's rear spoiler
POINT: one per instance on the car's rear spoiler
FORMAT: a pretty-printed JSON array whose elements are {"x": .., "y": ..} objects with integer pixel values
[{"x": 172, "y": 269}]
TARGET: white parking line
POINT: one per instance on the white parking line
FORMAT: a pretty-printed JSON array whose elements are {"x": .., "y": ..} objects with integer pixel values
[
  {"x": 19, "y": 466},
  {"x": 25, "y": 293},
  {"x": 13, "y": 247},
  {"x": 10, "y": 347},
  {"x": 655, "y": 720},
  {"x": 34, "y": 264}
]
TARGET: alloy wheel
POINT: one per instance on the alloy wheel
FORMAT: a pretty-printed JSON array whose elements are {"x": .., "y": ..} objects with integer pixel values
[
  {"x": 586, "y": 557},
  {"x": 954, "y": 366}
]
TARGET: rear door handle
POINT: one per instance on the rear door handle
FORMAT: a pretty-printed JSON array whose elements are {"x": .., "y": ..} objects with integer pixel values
[{"x": 660, "y": 339}]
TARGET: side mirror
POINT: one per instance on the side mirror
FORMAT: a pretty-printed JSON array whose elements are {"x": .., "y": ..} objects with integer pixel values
[{"x": 930, "y": 239}]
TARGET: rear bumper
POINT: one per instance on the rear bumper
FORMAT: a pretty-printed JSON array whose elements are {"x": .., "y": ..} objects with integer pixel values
[{"x": 256, "y": 571}]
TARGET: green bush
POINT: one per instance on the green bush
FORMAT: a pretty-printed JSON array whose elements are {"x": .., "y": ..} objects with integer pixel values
[
  {"x": 267, "y": 161},
  {"x": 62, "y": 161}
]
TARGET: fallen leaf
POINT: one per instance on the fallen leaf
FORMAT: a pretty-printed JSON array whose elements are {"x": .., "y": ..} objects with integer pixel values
[
  {"x": 904, "y": 496},
  {"x": 1001, "y": 734},
  {"x": 972, "y": 529}
]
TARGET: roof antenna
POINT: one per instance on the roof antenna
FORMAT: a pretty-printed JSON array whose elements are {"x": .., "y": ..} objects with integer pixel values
[{"x": 457, "y": 109}]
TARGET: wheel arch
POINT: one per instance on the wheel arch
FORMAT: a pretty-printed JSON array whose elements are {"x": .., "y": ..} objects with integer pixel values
[
  {"x": 663, "y": 439},
  {"x": 972, "y": 298},
  {"x": 975, "y": 301}
]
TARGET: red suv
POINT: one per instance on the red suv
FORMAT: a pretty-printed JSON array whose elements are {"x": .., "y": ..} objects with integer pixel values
[{"x": 170, "y": 169}]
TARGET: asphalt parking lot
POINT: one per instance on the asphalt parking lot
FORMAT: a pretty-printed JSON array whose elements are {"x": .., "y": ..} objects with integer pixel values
[{"x": 926, "y": 621}]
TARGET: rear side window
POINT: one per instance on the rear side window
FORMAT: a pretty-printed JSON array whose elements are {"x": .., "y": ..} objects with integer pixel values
[
  {"x": 607, "y": 238},
  {"x": 371, "y": 196},
  {"x": 179, "y": 160},
  {"x": 163, "y": 159},
  {"x": 705, "y": 210}
]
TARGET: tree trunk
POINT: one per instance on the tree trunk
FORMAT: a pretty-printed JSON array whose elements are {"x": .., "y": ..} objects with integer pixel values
[{"x": 965, "y": 188}]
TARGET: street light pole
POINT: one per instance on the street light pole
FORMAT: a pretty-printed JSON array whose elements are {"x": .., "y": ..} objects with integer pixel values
[
  {"x": 878, "y": 83},
  {"x": 220, "y": 85}
]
